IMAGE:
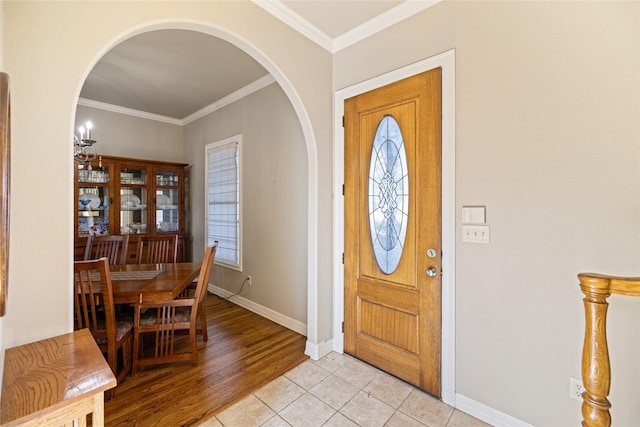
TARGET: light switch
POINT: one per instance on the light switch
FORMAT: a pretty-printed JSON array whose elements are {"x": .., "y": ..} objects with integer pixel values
[
  {"x": 474, "y": 215},
  {"x": 475, "y": 233}
]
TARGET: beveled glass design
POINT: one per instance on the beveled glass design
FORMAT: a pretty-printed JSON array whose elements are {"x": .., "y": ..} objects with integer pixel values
[{"x": 388, "y": 194}]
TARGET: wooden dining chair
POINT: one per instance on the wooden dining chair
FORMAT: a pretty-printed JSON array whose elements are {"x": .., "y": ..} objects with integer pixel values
[
  {"x": 114, "y": 248},
  {"x": 163, "y": 320},
  {"x": 94, "y": 310},
  {"x": 191, "y": 290},
  {"x": 157, "y": 249}
]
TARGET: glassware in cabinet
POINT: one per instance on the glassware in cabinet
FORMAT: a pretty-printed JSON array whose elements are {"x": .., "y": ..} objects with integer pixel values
[
  {"x": 167, "y": 178},
  {"x": 93, "y": 201},
  {"x": 133, "y": 200},
  {"x": 128, "y": 190},
  {"x": 167, "y": 201}
]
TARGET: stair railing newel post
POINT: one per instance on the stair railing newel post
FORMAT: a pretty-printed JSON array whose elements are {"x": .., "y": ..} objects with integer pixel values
[{"x": 596, "y": 370}]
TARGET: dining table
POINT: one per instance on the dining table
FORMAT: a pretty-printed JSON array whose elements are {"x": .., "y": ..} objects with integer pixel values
[{"x": 133, "y": 283}]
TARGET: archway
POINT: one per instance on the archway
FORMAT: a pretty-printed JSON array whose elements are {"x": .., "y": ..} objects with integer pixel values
[{"x": 305, "y": 124}]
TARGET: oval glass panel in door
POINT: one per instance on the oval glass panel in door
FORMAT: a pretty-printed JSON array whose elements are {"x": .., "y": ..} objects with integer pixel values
[{"x": 388, "y": 194}]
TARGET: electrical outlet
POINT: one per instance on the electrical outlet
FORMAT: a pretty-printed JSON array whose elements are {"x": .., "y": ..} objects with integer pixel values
[
  {"x": 576, "y": 388},
  {"x": 249, "y": 280}
]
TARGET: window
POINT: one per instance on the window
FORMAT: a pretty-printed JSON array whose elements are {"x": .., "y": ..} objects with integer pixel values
[
  {"x": 223, "y": 195},
  {"x": 388, "y": 194}
]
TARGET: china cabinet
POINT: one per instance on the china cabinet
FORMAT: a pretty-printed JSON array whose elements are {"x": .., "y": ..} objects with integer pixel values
[{"x": 117, "y": 195}]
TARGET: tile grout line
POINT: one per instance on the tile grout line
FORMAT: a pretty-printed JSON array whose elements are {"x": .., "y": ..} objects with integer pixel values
[{"x": 355, "y": 370}]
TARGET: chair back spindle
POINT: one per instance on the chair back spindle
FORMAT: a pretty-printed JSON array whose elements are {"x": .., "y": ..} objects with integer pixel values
[
  {"x": 114, "y": 248},
  {"x": 94, "y": 310},
  {"x": 157, "y": 249},
  {"x": 163, "y": 320},
  {"x": 94, "y": 307}
]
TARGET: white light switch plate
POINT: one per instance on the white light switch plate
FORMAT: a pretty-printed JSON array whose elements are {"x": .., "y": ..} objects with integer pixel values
[
  {"x": 474, "y": 215},
  {"x": 475, "y": 233}
]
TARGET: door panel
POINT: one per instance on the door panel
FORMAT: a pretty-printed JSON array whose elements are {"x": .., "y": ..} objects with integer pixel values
[
  {"x": 392, "y": 311},
  {"x": 388, "y": 324},
  {"x": 404, "y": 274}
]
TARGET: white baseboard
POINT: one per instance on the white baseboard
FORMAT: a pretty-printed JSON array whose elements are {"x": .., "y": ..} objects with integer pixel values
[
  {"x": 318, "y": 351},
  {"x": 314, "y": 351},
  {"x": 265, "y": 312},
  {"x": 486, "y": 413}
]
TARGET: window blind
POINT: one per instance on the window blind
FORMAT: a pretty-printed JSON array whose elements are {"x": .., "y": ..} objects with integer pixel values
[{"x": 223, "y": 201}]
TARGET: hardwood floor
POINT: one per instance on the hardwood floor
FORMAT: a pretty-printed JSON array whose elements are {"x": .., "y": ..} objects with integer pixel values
[{"x": 244, "y": 352}]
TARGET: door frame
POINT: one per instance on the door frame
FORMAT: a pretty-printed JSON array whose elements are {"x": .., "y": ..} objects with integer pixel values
[{"x": 446, "y": 60}]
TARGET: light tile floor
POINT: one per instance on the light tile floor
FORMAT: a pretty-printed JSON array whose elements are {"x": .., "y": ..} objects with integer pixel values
[{"x": 339, "y": 391}]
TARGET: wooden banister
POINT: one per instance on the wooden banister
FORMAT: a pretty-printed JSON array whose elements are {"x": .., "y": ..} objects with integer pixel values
[{"x": 596, "y": 371}]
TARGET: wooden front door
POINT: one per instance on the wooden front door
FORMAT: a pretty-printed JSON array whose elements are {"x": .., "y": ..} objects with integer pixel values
[{"x": 392, "y": 202}]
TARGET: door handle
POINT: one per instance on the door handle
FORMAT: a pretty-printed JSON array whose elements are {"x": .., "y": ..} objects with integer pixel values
[{"x": 432, "y": 272}]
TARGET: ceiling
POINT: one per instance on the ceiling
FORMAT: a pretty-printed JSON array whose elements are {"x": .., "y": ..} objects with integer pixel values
[
  {"x": 335, "y": 18},
  {"x": 171, "y": 75}
]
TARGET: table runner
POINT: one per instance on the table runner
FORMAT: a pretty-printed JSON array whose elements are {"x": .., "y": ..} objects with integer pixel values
[
  {"x": 135, "y": 275},
  {"x": 130, "y": 275}
]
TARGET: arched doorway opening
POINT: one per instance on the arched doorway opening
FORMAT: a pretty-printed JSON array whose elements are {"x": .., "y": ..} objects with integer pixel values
[{"x": 307, "y": 132}]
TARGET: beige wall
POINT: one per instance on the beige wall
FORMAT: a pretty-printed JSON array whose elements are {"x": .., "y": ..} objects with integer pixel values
[
  {"x": 127, "y": 136},
  {"x": 48, "y": 62},
  {"x": 548, "y": 138},
  {"x": 274, "y": 186}
]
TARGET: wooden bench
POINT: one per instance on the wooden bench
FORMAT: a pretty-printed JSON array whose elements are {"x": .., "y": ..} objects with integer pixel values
[{"x": 55, "y": 382}]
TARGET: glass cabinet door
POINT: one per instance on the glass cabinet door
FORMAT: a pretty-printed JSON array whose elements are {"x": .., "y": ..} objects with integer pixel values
[
  {"x": 133, "y": 200},
  {"x": 167, "y": 201},
  {"x": 93, "y": 201}
]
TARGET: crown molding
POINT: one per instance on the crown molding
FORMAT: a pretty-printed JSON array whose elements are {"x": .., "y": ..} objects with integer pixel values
[
  {"x": 391, "y": 17},
  {"x": 295, "y": 21},
  {"x": 247, "y": 90},
  {"x": 255, "y": 86},
  {"x": 383, "y": 21},
  {"x": 280, "y": 11},
  {"x": 128, "y": 111}
]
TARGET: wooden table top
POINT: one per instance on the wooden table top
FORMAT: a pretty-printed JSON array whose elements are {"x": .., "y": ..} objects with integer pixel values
[
  {"x": 46, "y": 375},
  {"x": 164, "y": 287}
]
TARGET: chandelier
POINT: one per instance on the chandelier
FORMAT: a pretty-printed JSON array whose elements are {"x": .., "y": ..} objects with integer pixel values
[{"x": 83, "y": 149}]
